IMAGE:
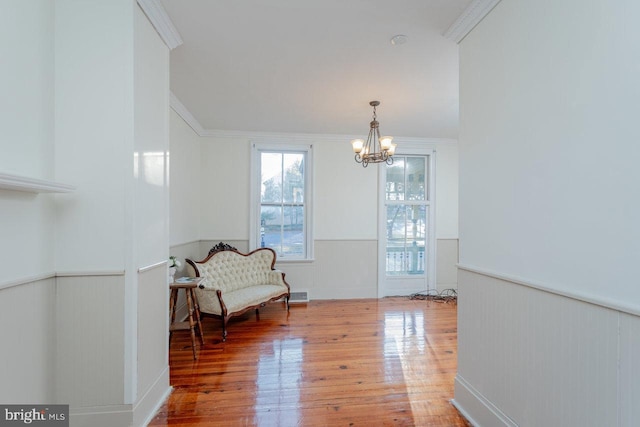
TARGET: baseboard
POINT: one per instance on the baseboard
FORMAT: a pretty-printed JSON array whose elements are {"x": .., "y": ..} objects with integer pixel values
[
  {"x": 101, "y": 416},
  {"x": 476, "y": 408},
  {"x": 148, "y": 405},
  {"x": 137, "y": 415}
]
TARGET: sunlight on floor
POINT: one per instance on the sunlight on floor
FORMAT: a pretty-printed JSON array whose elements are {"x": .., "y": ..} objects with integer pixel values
[
  {"x": 405, "y": 342},
  {"x": 277, "y": 383}
]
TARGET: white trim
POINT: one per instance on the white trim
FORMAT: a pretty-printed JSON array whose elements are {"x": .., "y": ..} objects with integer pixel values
[
  {"x": 591, "y": 299},
  {"x": 160, "y": 20},
  {"x": 186, "y": 115},
  {"x": 53, "y": 275},
  {"x": 472, "y": 15},
  {"x": 101, "y": 416},
  {"x": 286, "y": 137},
  {"x": 254, "y": 193},
  {"x": 173, "y": 246},
  {"x": 32, "y": 185},
  {"x": 27, "y": 280},
  {"x": 467, "y": 396},
  {"x": 152, "y": 399},
  {"x": 90, "y": 273},
  {"x": 151, "y": 266},
  {"x": 430, "y": 278}
]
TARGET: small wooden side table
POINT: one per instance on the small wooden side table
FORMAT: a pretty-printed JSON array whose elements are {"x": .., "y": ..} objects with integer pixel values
[{"x": 193, "y": 307}]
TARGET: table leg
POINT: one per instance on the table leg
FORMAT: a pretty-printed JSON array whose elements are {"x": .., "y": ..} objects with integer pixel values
[
  {"x": 191, "y": 322},
  {"x": 196, "y": 307},
  {"x": 173, "y": 302}
]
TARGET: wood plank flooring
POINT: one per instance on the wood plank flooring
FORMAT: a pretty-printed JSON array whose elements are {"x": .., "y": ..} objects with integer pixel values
[{"x": 368, "y": 362}]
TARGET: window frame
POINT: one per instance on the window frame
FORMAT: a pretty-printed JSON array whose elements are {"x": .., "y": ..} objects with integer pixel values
[
  {"x": 385, "y": 281},
  {"x": 257, "y": 148}
]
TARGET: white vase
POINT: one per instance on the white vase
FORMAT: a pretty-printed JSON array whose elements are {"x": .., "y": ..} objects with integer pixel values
[{"x": 172, "y": 273}]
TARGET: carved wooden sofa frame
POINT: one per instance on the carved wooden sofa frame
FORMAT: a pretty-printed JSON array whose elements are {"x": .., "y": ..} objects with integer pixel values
[{"x": 235, "y": 283}]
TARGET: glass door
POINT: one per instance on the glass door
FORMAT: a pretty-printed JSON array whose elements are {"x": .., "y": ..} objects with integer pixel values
[{"x": 406, "y": 237}]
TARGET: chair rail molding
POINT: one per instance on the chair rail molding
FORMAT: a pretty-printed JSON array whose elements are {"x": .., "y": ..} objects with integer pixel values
[
  {"x": 472, "y": 15},
  {"x": 32, "y": 185}
]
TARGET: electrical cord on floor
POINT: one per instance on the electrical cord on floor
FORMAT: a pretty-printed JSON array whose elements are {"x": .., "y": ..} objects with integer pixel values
[{"x": 444, "y": 296}]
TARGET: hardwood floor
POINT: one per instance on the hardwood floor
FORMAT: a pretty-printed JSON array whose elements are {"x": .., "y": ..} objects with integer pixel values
[{"x": 369, "y": 362}]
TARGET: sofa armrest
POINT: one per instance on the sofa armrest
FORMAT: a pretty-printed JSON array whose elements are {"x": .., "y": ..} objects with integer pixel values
[
  {"x": 207, "y": 285},
  {"x": 276, "y": 277}
]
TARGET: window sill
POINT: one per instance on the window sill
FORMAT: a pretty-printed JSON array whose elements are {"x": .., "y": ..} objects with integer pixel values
[{"x": 294, "y": 261}]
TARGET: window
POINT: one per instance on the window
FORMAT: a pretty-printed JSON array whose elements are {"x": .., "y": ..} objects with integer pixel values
[
  {"x": 407, "y": 215},
  {"x": 281, "y": 200},
  {"x": 406, "y": 229}
]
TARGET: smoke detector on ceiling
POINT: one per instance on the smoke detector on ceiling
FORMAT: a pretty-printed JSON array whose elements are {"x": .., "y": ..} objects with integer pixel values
[{"x": 399, "y": 39}]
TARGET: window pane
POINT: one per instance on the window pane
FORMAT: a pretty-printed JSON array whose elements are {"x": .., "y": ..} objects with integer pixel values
[
  {"x": 293, "y": 231},
  {"x": 406, "y": 239},
  {"x": 293, "y": 187},
  {"x": 415, "y": 178},
  {"x": 271, "y": 227},
  {"x": 395, "y": 180},
  {"x": 271, "y": 178}
]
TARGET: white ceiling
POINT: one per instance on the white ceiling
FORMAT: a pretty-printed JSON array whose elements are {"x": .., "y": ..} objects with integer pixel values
[{"x": 312, "y": 66}]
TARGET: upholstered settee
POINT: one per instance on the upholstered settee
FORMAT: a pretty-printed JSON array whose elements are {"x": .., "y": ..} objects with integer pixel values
[{"x": 235, "y": 283}]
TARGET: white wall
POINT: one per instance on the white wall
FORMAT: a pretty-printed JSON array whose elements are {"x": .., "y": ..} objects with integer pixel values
[
  {"x": 186, "y": 182},
  {"x": 89, "y": 267},
  {"x": 549, "y": 157},
  {"x": 151, "y": 219},
  {"x": 26, "y": 96},
  {"x": 94, "y": 84},
  {"x": 548, "y": 232},
  {"x": 224, "y": 189},
  {"x": 26, "y": 136},
  {"x": 27, "y": 284},
  {"x": 94, "y": 133}
]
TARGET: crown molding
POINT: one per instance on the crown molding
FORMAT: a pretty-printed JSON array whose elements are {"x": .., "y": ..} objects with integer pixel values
[
  {"x": 312, "y": 137},
  {"x": 472, "y": 15},
  {"x": 186, "y": 115},
  {"x": 160, "y": 20}
]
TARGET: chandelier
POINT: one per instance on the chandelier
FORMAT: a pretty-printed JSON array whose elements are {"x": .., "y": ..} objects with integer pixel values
[{"x": 377, "y": 149}]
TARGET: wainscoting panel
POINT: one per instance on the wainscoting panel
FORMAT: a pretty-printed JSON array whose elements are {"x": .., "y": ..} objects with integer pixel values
[
  {"x": 446, "y": 264},
  {"x": 535, "y": 358},
  {"x": 629, "y": 370},
  {"x": 90, "y": 347},
  {"x": 27, "y": 327},
  {"x": 153, "y": 327},
  {"x": 343, "y": 269}
]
